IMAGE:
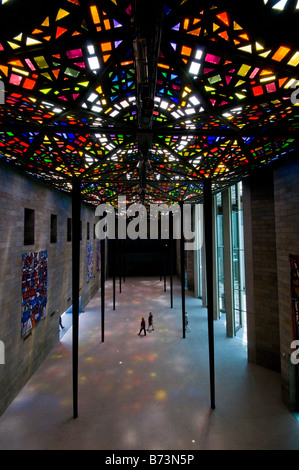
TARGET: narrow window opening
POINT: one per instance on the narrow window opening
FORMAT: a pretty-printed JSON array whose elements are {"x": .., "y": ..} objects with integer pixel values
[
  {"x": 29, "y": 217},
  {"x": 69, "y": 230},
  {"x": 53, "y": 238}
]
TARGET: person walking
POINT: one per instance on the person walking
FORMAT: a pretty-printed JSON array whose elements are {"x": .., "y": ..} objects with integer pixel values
[
  {"x": 187, "y": 322},
  {"x": 150, "y": 322},
  {"x": 60, "y": 323},
  {"x": 142, "y": 326}
]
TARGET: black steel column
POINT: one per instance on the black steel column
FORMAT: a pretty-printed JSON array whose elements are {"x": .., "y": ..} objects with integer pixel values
[
  {"x": 124, "y": 260},
  {"x": 182, "y": 250},
  {"x": 164, "y": 265},
  {"x": 120, "y": 264},
  {"x": 171, "y": 257},
  {"x": 160, "y": 256},
  {"x": 76, "y": 215},
  {"x": 113, "y": 244},
  {"x": 103, "y": 278},
  {"x": 208, "y": 223}
]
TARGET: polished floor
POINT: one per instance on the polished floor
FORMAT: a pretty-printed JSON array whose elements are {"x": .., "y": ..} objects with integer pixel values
[{"x": 149, "y": 392}]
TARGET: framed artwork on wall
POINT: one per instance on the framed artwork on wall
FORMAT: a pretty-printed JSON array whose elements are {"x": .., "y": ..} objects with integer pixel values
[
  {"x": 89, "y": 264},
  {"x": 294, "y": 261},
  {"x": 98, "y": 256},
  {"x": 34, "y": 289}
]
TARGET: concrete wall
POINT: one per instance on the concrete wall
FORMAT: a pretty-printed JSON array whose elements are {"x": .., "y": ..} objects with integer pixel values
[
  {"x": 261, "y": 276},
  {"x": 286, "y": 193},
  {"x": 271, "y": 221},
  {"x": 23, "y": 355}
]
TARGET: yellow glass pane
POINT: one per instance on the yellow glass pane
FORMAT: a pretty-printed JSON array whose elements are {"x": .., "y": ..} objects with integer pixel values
[
  {"x": 20, "y": 71},
  {"x": 46, "y": 22},
  {"x": 237, "y": 26},
  {"x": 246, "y": 48},
  {"x": 41, "y": 62},
  {"x": 18, "y": 38},
  {"x": 244, "y": 36},
  {"x": 61, "y": 14},
  {"x": 13, "y": 45},
  {"x": 266, "y": 72},
  {"x": 294, "y": 60},
  {"x": 258, "y": 46},
  {"x": 267, "y": 79},
  {"x": 32, "y": 42},
  {"x": 244, "y": 69}
]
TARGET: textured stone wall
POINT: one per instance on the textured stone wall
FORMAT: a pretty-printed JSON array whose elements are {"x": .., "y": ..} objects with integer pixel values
[
  {"x": 286, "y": 191},
  {"x": 271, "y": 221},
  {"x": 260, "y": 267},
  {"x": 23, "y": 355}
]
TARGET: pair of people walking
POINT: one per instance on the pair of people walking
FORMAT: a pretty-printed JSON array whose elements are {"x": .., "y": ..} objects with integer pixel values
[{"x": 150, "y": 324}]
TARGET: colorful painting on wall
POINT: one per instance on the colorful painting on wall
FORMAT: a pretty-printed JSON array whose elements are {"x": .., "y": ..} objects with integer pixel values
[
  {"x": 98, "y": 256},
  {"x": 294, "y": 260},
  {"x": 89, "y": 254},
  {"x": 34, "y": 289}
]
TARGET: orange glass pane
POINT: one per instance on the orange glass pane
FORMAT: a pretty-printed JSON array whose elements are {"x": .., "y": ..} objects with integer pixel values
[
  {"x": 106, "y": 46},
  {"x": 186, "y": 23},
  {"x": 195, "y": 32},
  {"x": 95, "y": 14},
  {"x": 107, "y": 24},
  {"x": 223, "y": 17},
  {"x": 280, "y": 53},
  {"x": 186, "y": 50}
]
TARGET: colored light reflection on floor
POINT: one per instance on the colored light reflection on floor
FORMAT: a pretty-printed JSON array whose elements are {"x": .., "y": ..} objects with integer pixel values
[
  {"x": 161, "y": 395},
  {"x": 147, "y": 392}
]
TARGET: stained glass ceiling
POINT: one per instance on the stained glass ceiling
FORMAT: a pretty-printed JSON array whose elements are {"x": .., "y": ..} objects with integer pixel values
[{"x": 146, "y": 99}]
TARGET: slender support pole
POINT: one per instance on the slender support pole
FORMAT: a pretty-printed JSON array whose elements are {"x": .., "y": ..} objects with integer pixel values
[
  {"x": 208, "y": 221},
  {"x": 120, "y": 265},
  {"x": 113, "y": 291},
  {"x": 160, "y": 257},
  {"x": 182, "y": 250},
  {"x": 164, "y": 266},
  {"x": 124, "y": 260},
  {"x": 171, "y": 257},
  {"x": 103, "y": 278},
  {"x": 76, "y": 215},
  {"x": 112, "y": 243}
]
